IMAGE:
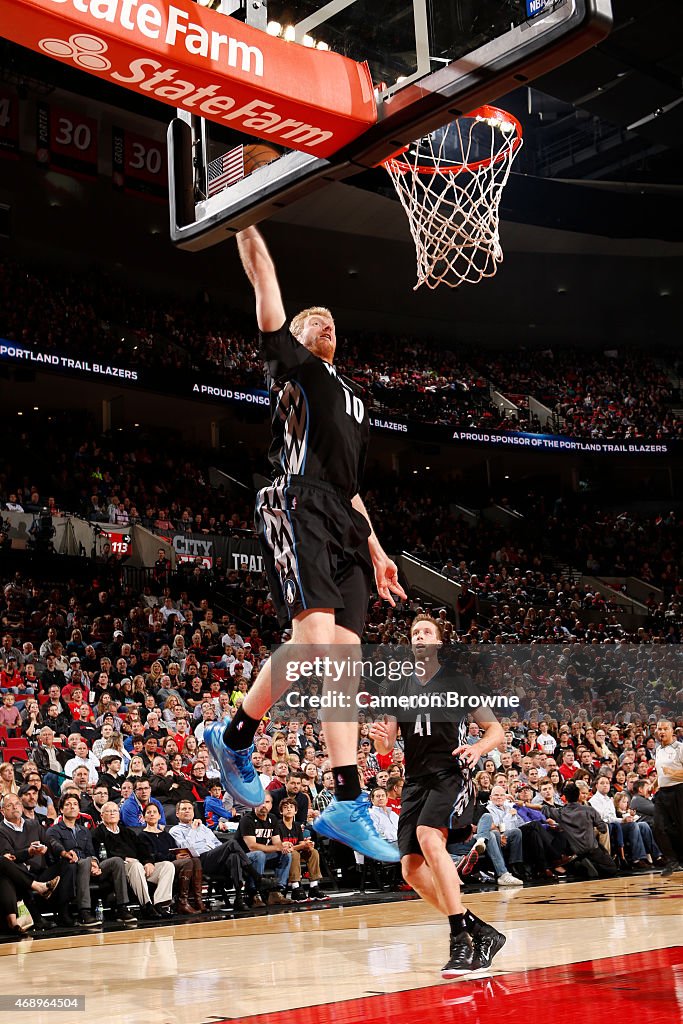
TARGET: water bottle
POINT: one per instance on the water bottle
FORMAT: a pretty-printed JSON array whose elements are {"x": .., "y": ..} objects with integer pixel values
[
  {"x": 99, "y": 910},
  {"x": 102, "y": 853}
]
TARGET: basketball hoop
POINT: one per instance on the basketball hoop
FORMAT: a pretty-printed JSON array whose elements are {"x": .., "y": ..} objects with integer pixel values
[{"x": 450, "y": 184}]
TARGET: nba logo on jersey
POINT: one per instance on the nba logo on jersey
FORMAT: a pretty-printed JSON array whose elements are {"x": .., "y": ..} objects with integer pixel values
[{"x": 290, "y": 591}]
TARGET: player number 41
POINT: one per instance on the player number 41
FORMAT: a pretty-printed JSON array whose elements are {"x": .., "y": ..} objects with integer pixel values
[{"x": 427, "y": 731}]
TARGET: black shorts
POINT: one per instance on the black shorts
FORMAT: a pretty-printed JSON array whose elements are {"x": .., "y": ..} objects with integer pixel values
[
  {"x": 441, "y": 800},
  {"x": 315, "y": 549}
]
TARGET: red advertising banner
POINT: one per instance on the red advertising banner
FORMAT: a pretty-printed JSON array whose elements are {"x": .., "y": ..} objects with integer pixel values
[
  {"x": 66, "y": 140},
  {"x": 9, "y": 122},
  {"x": 139, "y": 163},
  {"x": 188, "y": 56}
]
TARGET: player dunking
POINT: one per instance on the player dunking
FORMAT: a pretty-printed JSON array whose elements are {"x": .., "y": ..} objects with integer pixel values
[
  {"x": 438, "y": 797},
  {"x": 319, "y": 547}
]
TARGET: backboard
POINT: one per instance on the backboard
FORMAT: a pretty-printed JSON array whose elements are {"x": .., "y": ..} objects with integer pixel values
[{"x": 430, "y": 61}]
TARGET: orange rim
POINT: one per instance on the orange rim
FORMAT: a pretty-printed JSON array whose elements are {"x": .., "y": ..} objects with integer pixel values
[{"x": 486, "y": 112}]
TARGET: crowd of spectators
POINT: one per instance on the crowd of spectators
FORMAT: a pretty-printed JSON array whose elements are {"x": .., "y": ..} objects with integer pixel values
[
  {"x": 516, "y": 586},
  {"x": 105, "y": 695},
  {"x": 610, "y": 396},
  {"x": 510, "y": 588},
  {"x": 622, "y": 394},
  {"x": 127, "y": 477}
]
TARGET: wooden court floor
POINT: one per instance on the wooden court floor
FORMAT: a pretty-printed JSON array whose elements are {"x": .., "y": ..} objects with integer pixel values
[{"x": 605, "y": 947}]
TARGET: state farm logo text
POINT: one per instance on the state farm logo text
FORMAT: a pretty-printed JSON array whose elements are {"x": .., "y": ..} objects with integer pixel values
[{"x": 172, "y": 27}]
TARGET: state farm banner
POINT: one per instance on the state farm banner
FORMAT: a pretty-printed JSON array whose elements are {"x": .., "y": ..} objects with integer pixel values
[{"x": 208, "y": 63}]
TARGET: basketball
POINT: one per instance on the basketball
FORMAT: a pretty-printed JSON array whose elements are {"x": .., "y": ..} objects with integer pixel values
[{"x": 257, "y": 156}]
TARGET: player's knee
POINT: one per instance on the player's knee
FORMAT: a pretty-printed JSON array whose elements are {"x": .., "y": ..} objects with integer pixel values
[
  {"x": 430, "y": 840},
  {"x": 409, "y": 870}
]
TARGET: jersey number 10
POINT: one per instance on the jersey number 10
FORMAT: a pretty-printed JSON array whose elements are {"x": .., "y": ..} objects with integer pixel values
[
  {"x": 427, "y": 731},
  {"x": 354, "y": 406}
]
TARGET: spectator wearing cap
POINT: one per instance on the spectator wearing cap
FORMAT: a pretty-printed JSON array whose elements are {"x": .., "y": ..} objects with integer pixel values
[
  {"x": 110, "y": 769},
  {"x": 371, "y": 764},
  {"x": 77, "y": 688},
  {"x": 74, "y": 663},
  {"x": 29, "y": 794},
  {"x": 150, "y": 747}
]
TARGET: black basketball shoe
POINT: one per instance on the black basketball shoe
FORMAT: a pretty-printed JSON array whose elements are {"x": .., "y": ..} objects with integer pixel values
[
  {"x": 462, "y": 955},
  {"x": 486, "y": 942}
]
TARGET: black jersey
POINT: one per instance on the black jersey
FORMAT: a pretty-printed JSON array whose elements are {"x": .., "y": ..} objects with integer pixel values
[
  {"x": 319, "y": 423},
  {"x": 431, "y": 736}
]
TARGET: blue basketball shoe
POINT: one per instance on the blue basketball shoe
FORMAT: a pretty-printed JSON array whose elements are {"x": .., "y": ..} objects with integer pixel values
[
  {"x": 237, "y": 772},
  {"x": 349, "y": 821}
]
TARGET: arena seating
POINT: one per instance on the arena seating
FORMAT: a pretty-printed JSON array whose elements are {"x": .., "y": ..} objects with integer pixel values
[{"x": 591, "y": 395}]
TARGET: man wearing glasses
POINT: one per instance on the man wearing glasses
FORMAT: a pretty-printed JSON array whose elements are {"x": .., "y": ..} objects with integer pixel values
[{"x": 133, "y": 809}]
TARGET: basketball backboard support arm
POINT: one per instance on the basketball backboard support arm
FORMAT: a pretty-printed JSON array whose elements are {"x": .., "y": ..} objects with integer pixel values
[{"x": 433, "y": 93}]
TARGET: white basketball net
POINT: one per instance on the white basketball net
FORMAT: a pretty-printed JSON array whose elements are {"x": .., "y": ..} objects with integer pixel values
[{"x": 453, "y": 204}]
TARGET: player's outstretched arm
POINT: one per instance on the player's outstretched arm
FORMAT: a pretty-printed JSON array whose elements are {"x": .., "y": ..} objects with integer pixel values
[
  {"x": 260, "y": 269},
  {"x": 386, "y": 571}
]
